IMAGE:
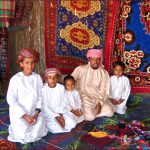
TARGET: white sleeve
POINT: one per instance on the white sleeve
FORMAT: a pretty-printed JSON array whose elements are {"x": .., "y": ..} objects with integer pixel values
[
  {"x": 66, "y": 104},
  {"x": 12, "y": 98},
  {"x": 39, "y": 94},
  {"x": 79, "y": 105},
  {"x": 127, "y": 90},
  {"x": 47, "y": 110}
]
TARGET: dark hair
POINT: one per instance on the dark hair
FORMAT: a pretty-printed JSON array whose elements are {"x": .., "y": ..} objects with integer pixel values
[
  {"x": 69, "y": 77},
  {"x": 119, "y": 63}
]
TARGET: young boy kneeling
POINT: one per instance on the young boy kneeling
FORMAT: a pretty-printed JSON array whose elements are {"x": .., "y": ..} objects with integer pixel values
[
  {"x": 119, "y": 88},
  {"x": 58, "y": 118},
  {"x": 25, "y": 101}
]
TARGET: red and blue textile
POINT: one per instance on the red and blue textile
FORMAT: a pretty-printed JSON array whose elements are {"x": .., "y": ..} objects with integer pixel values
[
  {"x": 71, "y": 28},
  {"x": 130, "y": 43}
]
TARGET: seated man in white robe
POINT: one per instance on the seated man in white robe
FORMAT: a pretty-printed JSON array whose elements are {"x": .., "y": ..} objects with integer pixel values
[
  {"x": 25, "y": 101},
  {"x": 58, "y": 118},
  {"x": 93, "y": 84}
]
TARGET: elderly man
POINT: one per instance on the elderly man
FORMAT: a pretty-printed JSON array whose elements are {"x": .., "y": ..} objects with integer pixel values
[{"x": 93, "y": 84}]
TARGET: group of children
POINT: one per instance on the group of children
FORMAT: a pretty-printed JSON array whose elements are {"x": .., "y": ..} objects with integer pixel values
[
  {"x": 61, "y": 106},
  {"x": 35, "y": 109}
]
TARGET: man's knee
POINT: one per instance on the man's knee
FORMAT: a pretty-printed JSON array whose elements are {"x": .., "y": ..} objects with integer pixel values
[
  {"x": 89, "y": 117},
  {"x": 110, "y": 113},
  {"x": 106, "y": 111}
]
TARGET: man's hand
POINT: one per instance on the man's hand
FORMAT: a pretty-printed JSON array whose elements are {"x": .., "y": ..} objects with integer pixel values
[
  {"x": 29, "y": 119},
  {"x": 97, "y": 109},
  {"x": 77, "y": 112},
  {"x": 60, "y": 120}
]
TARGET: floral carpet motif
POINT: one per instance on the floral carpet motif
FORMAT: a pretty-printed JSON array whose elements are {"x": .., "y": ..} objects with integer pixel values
[{"x": 131, "y": 43}]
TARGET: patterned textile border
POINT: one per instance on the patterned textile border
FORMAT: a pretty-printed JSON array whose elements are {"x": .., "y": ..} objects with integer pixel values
[
  {"x": 112, "y": 15},
  {"x": 131, "y": 43},
  {"x": 71, "y": 28}
]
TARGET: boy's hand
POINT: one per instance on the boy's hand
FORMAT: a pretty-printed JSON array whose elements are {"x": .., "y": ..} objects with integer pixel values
[
  {"x": 29, "y": 119},
  {"x": 35, "y": 117},
  {"x": 61, "y": 120},
  {"x": 77, "y": 112},
  {"x": 120, "y": 101},
  {"x": 113, "y": 101}
]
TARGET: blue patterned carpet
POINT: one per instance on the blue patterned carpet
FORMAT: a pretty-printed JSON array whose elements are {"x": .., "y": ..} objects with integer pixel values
[{"x": 138, "y": 109}]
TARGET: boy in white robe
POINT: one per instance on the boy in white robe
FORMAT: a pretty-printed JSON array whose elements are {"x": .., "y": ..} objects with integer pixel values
[
  {"x": 73, "y": 99},
  {"x": 58, "y": 118},
  {"x": 25, "y": 101},
  {"x": 119, "y": 88}
]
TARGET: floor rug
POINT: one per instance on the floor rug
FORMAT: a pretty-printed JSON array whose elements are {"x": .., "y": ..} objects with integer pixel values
[{"x": 78, "y": 138}]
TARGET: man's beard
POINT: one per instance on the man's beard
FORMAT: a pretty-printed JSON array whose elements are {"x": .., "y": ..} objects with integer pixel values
[{"x": 95, "y": 67}]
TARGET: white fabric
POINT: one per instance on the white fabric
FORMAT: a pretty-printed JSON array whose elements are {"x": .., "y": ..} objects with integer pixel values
[
  {"x": 53, "y": 105},
  {"x": 74, "y": 102},
  {"x": 23, "y": 97},
  {"x": 120, "y": 89}
]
